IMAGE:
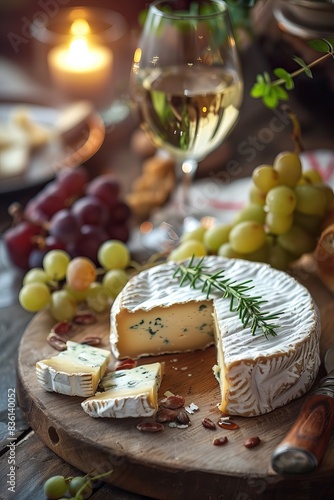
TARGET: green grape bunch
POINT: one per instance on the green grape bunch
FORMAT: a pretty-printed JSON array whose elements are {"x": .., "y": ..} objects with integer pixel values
[
  {"x": 281, "y": 222},
  {"x": 78, "y": 487},
  {"x": 63, "y": 283}
]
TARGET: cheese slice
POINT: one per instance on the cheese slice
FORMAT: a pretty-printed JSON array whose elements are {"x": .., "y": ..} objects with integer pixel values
[
  {"x": 74, "y": 372},
  {"x": 155, "y": 315},
  {"x": 128, "y": 393}
]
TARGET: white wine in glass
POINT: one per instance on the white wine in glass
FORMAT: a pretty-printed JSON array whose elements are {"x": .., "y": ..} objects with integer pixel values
[{"x": 187, "y": 83}]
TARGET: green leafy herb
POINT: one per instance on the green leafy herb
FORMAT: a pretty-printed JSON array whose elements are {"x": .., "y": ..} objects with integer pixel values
[
  {"x": 273, "y": 91},
  {"x": 247, "y": 307}
]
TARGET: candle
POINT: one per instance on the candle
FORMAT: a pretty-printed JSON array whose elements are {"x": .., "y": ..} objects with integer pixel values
[{"x": 82, "y": 69}]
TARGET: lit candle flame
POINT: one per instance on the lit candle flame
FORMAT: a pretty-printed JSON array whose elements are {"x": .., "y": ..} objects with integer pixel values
[{"x": 80, "y": 27}]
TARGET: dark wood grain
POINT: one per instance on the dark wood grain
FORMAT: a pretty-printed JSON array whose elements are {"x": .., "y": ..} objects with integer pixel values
[
  {"x": 178, "y": 462},
  {"x": 36, "y": 463}
]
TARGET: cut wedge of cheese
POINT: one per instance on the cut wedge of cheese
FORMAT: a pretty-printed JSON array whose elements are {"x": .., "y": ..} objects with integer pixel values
[
  {"x": 155, "y": 315},
  {"x": 74, "y": 372},
  {"x": 128, "y": 393}
]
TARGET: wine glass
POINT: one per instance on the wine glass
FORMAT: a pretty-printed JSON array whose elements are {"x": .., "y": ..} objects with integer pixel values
[{"x": 187, "y": 84}]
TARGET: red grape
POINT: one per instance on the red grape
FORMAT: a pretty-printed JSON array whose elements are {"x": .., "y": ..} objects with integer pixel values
[
  {"x": 90, "y": 210},
  {"x": 121, "y": 233},
  {"x": 49, "y": 204},
  {"x": 64, "y": 226},
  {"x": 87, "y": 244},
  {"x": 73, "y": 181},
  {"x": 106, "y": 188},
  {"x": 120, "y": 213},
  {"x": 19, "y": 243},
  {"x": 54, "y": 188},
  {"x": 33, "y": 213},
  {"x": 52, "y": 243}
]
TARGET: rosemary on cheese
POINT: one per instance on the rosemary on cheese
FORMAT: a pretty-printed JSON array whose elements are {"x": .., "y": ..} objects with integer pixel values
[{"x": 247, "y": 307}]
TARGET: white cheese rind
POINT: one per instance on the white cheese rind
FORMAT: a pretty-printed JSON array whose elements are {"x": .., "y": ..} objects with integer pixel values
[
  {"x": 74, "y": 372},
  {"x": 260, "y": 374},
  {"x": 128, "y": 393}
]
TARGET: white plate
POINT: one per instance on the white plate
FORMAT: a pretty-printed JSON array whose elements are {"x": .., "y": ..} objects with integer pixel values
[{"x": 56, "y": 154}]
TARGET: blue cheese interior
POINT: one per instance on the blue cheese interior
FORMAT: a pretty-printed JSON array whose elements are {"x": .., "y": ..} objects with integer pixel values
[
  {"x": 127, "y": 393},
  {"x": 75, "y": 371}
]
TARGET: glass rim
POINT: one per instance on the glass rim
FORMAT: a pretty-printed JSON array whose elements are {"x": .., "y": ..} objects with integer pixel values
[{"x": 154, "y": 7}]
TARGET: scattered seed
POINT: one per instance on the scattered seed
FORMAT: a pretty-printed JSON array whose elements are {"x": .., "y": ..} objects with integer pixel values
[
  {"x": 85, "y": 318},
  {"x": 220, "y": 441},
  {"x": 173, "y": 402},
  {"x": 56, "y": 342},
  {"x": 126, "y": 364},
  {"x": 166, "y": 415},
  {"x": 225, "y": 423},
  {"x": 252, "y": 442},
  {"x": 62, "y": 328},
  {"x": 91, "y": 341},
  {"x": 183, "y": 417},
  {"x": 150, "y": 427},
  {"x": 208, "y": 424}
]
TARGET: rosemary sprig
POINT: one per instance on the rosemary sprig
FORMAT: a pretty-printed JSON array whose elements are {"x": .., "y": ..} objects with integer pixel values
[{"x": 247, "y": 307}]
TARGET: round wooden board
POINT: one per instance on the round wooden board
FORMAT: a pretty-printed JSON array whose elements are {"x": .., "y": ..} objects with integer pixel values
[{"x": 176, "y": 463}]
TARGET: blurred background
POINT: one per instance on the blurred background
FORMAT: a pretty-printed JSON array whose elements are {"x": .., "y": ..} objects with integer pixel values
[{"x": 262, "y": 45}]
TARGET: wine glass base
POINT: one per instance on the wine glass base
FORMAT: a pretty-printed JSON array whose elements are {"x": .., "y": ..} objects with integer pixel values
[{"x": 164, "y": 231}]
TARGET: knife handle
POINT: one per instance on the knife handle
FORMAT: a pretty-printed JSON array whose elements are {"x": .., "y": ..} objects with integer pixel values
[{"x": 303, "y": 448}]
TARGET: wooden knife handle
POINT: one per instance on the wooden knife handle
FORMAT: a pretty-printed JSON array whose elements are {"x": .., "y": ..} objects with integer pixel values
[{"x": 303, "y": 448}]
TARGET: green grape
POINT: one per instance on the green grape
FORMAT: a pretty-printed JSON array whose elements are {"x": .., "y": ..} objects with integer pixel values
[
  {"x": 186, "y": 250},
  {"x": 312, "y": 176},
  {"x": 257, "y": 196},
  {"x": 97, "y": 297},
  {"x": 196, "y": 234},
  {"x": 80, "y": 273},
  {"x": 55, "y": 487},
  {"x": 34, "y": 296},
  {"x": 279, "y": 258},
  {"x": 278, "y": 224},
  {"x": 114, "y": 281},
  {"x": 113, "y": 254},
  {"x": 310, "y": 200},
  {"x": 265, "y": 178},
  {"x": 297, "y": 241},
  {"x": 302, "y": 182},
  {"x": 311, "y": 223},
  {"x": 260, "y": 255},
  {"x": 75, "y": 485},
  {"x": 327, "y": 191},
  {"x": 35, "y": 275},
  {"x": 253, "y": 211},
  {"x": 289, "y": 168},
  {"x": 78, "y": 295},
  {"x": 247, "y": 237},
  {"x": 55, "y": 264},
  {"x": 63, "y": 306},
  {"x": 281, "y": 200},
  {"x": 215, "y": 236},
  {"x": 225, "y": 250}
]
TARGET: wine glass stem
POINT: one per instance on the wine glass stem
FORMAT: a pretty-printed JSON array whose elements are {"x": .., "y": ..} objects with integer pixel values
[{"x": 188, "y": 169}]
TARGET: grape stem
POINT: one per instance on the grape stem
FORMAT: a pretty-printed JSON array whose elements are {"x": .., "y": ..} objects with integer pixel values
[
  {"x": 247, "y": 307},
  {"x": 89, "y": 479}
]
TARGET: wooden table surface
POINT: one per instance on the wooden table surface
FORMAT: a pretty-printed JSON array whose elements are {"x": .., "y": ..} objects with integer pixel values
[{"x": 20, "y": 446}]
